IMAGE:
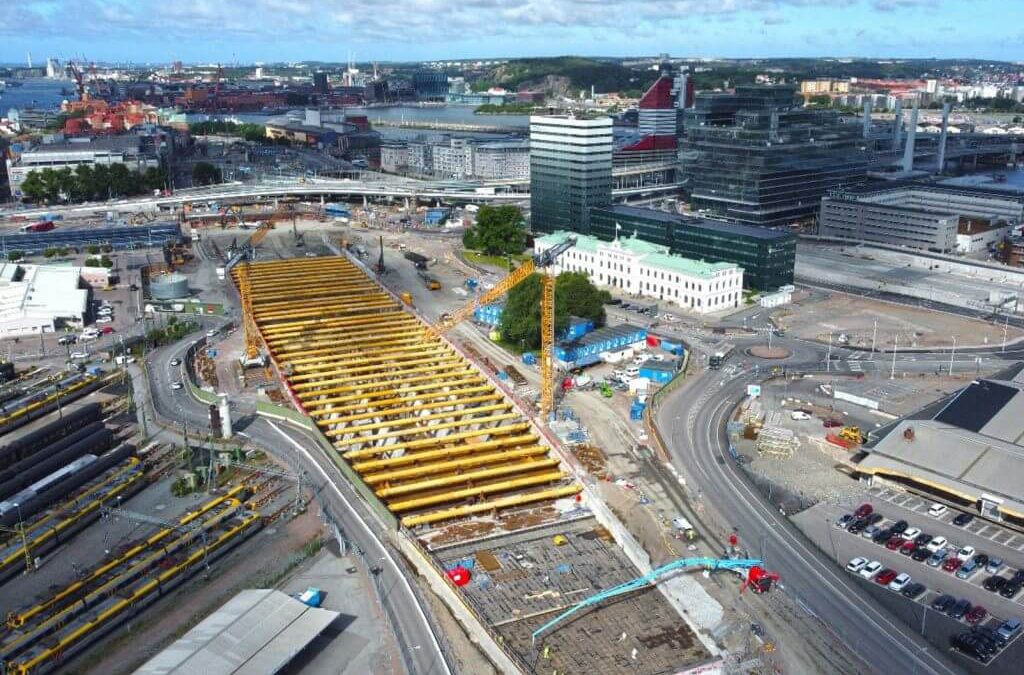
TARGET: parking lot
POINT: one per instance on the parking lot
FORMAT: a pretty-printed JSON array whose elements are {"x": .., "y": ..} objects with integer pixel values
[{"x": 819, "y": 523}]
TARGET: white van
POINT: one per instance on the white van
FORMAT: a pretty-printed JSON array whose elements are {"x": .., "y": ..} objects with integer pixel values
[{"x": 937, "y": 510}]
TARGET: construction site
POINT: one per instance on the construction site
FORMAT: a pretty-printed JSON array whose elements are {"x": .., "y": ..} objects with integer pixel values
[{"x": 465, "y": 469}]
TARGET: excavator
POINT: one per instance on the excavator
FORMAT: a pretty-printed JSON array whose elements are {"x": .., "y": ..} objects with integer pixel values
[{"x": 538, "y": 262}]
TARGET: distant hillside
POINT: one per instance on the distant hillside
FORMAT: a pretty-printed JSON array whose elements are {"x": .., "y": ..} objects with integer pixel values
[{"x": 566, "y": 75}]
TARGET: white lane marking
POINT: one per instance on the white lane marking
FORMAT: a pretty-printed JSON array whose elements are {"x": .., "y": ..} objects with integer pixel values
[{"x": 387, "y": 554}]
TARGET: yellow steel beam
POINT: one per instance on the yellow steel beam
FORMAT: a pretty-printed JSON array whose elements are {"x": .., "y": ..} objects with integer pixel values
[
  {"x": 494, "y": 505},
  {"x": 348, "y": 376},
  {"x": 418, "y": 421},
  {"x": 476, "y": 491},
  {"x": 385, "y": 405},
  {"x": 454, "y": 376},
  {"x": 364, "y": 357},
  {"x": 417, "y": 405},
  {"x": 429, "y": 468},
  {"x": 497, "y": 437},
  {"x": 522, "y": 467}
]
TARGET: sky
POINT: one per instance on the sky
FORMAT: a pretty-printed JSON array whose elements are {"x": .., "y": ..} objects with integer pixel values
[{"x": 227, "y": 31}]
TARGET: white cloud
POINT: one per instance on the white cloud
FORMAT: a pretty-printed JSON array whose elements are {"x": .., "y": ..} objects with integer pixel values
[{"x": 349, "y": 21}]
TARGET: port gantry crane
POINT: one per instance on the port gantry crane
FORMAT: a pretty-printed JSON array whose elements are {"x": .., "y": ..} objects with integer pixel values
[{"x": 539, "y": 262}]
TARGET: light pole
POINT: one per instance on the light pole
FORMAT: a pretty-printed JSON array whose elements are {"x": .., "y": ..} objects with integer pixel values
[
  {"x": 828, "y": 357},
  {"x": 874, "y": 334},
  {"x": 952, "y": 355},
  {"x": 895, "y": 346},
  {"x": 1005, "y": 324}
]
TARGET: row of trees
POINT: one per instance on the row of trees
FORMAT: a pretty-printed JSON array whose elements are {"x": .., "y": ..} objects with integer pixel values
[
  {"x": 256, "y": 133},
  {"x": 88, "y": 183},
  {"x": 574, "y": 296}
]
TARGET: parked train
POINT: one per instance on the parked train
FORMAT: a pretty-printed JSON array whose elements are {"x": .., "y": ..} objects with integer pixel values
[
  {"x": 94, "y": 439},
  {"x": 32, "y": 442}
]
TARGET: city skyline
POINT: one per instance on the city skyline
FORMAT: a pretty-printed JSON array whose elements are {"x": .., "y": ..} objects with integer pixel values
[{"x": 421, "y": 30}]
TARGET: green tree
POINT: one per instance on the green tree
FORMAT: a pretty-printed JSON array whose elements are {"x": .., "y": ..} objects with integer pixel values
[
  {"x": 15, "y": 256},
  {"x": 204, "y": 173},
  {"x": 51, "y": 253},
  {"x": 574, "y": 296},
  {"x": 499, "y": 230},
  {"x": 92, "y": 249},
  {"x": 33, "y": 188}
]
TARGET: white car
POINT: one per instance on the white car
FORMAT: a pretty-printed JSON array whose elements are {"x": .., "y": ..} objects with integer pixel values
[
  {"x": 176, "y": 385},
  {"x": 79, "y": 355},
  {"x": 658, "y": 357},
  {"x": 911, "y": 533},
  {"x": 936, "y": 543},
  {"x": 900, "y": 582},
  {"x": 799, "y": 415},
  {"x": 870, "y": 570},
  {"x": 213, "y": 332},
  {"x": 857, "y": 564},
  {"x": 966, "y": 553},
  {"x": 88, "y": 337},
  {"x": 937, "y": 510},
  {"x": 105, "y": 319}
]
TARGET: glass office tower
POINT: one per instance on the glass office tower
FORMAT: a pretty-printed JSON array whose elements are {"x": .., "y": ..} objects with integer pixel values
[
  {"x": 570, "y": 171},
  {"x": 757, "y": 156}
]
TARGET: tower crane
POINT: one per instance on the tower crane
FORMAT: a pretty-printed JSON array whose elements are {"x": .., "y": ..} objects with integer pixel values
[
  {"x": 241, "y": 259},
  {"x": 539, "y": 262},
  {"x": 76, "y": 73}
]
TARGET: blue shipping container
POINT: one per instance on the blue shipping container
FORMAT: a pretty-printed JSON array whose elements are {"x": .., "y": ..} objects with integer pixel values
[
  {"x": 529, "y": 358},
  {"x": 659, "y": 373},
  {"x": 488, "y": 314}
]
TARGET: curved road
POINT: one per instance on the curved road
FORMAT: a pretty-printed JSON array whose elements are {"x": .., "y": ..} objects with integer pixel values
[
  {"x": 421, "y": 651},
  {"x": 692, "y": 423}
]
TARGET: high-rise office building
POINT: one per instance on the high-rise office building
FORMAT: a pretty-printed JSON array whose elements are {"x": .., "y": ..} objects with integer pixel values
[
  {"x": 430, "y": 84},
  {"x": 757, "y": 156},
  {"x": 656, "y": 126},
  {"x": 570, "y": 170},
  {"x": 320, "y": 84}
]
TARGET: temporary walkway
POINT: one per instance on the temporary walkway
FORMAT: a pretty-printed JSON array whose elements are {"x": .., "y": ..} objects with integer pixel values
[{"x": 423, "y": 428}]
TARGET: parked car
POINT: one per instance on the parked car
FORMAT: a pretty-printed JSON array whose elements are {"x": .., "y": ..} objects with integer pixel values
[
  {"x": 966, "y": 553},
  {"x": 1009, "y": 630},
  {"x": 79, "y": 355},
  {"x": 175, "y": 362},
  {"x": 857, "y": 526},
  {"x": 981, "y": 559},
  {"x": 937, "y": 510},
  {"x": 943, "y": 603},
  {"x": 863, "y": 510},
  {"x": 952, "y": 565},
  {"x": 993, "y": 566},
  {"x": 106, "y": 330},
  {"x": 908, "y": 548},
  {"x": 1010, "y": 589},
  {"x": 959, "y": 609},
  {"x": 67, "y": 339},
  {"x": 900, "y": 583},
  {"x": 875, "y": 518},
  {"x": 922, "y": 539},
  {"x": 857, "y": 564},
  {"x": 936, "y": 544},
  {"x": 104, "y": 319},
  {"x": 799, "y": 415},
  {"x": 176, "y": 385},
  {"x": 885, "y": 577},
  {"x": 914, "y": 590},
  {"x": 895, "y": 543},
  {"x": 870, "y": 531},
  {"x": 920, "y": 554},
  {"x": 871, "y": 569},
  {"x": 900, "y": 526},
  {"x": 963, "y": 519},
  {"x": 967, "y": 569},
  {"x": 976, "y": 615},
  {"x": 994, "y": 583},
  {"x": 1018, "y": 577},
  {"x": 911, "y": 533},
  {"x": 212, "y": 333},
  {"x": 882, "y": 537},
  {"x": 969, "y": 645},
  {"x": 937, "y": 558}
]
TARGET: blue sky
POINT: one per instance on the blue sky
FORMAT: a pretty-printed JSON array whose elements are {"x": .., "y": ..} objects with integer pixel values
[{"x": 287, "y": 30}]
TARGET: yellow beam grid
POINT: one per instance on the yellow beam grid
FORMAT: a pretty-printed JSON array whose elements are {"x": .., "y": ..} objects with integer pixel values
[{"x": 424, "y": 429}]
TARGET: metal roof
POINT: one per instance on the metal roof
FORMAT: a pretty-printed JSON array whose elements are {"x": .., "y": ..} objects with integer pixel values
[
  {"x": 256, "y": 632},
  {"x": 625, "y": 212}
]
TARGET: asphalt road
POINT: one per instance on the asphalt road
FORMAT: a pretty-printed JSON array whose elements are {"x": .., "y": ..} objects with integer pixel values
[
  {"x": 421, "y": 651},
  {"x": 693, "y": 427}
]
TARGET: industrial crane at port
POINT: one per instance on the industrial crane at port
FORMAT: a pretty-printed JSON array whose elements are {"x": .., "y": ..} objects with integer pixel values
[{"x": 539, "y": 262}]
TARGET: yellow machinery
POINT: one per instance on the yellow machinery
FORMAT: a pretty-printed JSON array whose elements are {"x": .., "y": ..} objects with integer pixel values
[
  {"x": 851, "y": 434},
  {"x": 547, "y": 314}
]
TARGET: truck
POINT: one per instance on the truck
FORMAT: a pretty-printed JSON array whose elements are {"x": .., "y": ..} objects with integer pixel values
[
  {"x": 221, "y": 273},
  {"x": 419, "y": 261},
  {"x": 430, "y": 282},
  {"x": 718, "y": 358}
]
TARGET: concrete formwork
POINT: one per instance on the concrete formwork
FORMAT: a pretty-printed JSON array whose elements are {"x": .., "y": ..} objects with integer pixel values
[{"x": 426, "y": 431}]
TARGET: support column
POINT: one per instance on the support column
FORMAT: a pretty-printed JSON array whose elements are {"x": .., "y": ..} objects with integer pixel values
[
  {"x": 867, "y": 118},
  {"x": 908, "y": 154},
  {"x": 941, "y": 163},
  {"x": 897, "y": 134}
]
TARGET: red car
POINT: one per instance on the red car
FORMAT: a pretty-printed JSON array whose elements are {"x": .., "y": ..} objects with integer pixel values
[
  {"x": 976, "y": 615},
  {"x": 952, "y": 564},
  {"x": 863, "y": 511},
  {"x": 907, "y": 547},
  {"x": 106, "y": 330},
  {"x": 832, "y": 424},
  {"x": 885, "y": 576},
  {"x": 895, "y": 543}
]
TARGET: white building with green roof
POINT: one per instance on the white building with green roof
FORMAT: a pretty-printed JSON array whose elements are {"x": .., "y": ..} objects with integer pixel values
[{"x": 643, "y": 269}]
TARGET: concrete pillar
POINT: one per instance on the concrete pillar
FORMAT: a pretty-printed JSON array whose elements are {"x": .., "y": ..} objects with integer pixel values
[
  {"x": 942, "y": 138},
  {"x": 897, "y": 135},
  {"x": 867, "y": 118},
  {"x": 225, "y": 416},
  {"x": 908, "y": 154}
]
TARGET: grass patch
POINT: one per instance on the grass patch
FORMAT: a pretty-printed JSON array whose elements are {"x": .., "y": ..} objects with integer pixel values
[{"x": 495, "y": 260}]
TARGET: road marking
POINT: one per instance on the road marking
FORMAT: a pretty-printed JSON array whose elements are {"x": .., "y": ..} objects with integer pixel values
[
  {"x": 983, "y": 529},
  {"x": 387, "y": 553}
]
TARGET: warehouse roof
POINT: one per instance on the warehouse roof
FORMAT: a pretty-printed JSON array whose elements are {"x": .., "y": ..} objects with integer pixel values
[
  {"x": 257, "y": 631},
  {"x": 609, "y": 333},
  {"x": 970, "y": 447}
]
